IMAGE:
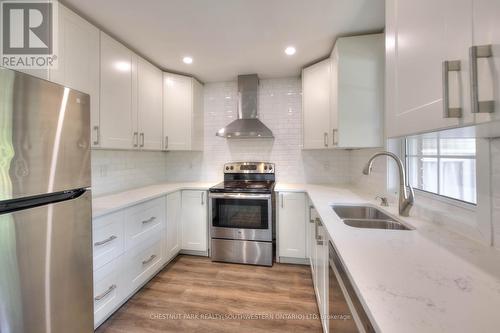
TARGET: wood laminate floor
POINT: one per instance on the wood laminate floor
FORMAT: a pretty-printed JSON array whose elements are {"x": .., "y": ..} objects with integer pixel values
[{"x": 194, "y": 294}]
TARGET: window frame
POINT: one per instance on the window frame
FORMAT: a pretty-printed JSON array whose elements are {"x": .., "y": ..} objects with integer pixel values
[{"x": 433, "y": 195}]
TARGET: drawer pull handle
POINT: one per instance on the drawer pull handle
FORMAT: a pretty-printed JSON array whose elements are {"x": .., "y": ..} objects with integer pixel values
[
  {"x": 145, "y": 262},
  {"x": 151, "y": 219},
  {"x": 106, "y": 293},
  {"x": 107, "y": 240}
]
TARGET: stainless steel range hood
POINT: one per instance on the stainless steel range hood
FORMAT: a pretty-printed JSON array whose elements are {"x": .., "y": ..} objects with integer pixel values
[{"x": 247, "y": 126}]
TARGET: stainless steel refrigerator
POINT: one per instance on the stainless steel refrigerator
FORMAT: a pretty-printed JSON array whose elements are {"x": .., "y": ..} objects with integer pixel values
[{"x": 45, "y": 207}]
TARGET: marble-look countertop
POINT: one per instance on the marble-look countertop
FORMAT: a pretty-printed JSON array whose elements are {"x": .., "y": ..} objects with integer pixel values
[
  {"x": 430, "y": 279},
  {"x": 109, "y": 203}
]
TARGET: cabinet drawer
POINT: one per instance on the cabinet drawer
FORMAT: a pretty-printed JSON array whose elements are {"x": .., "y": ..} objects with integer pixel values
[
  {"x": 142, "y": 262},
  {"x": 108, "y": 238},
  {"x": 143, "y": 221},
  {"x": 108, "y": 289}
]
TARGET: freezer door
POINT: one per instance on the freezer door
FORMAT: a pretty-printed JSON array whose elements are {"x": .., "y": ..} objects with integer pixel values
[
  {"x": 44, "y": 136},
  {"x": 46, "y": 268}
]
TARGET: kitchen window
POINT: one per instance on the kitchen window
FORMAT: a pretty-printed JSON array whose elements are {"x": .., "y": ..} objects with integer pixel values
[{"x": 445, "y": 166}]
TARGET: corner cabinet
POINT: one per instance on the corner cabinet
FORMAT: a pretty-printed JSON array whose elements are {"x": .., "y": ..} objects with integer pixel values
[
  {"x": 182, "y": 113},
  {"x": 291, "y": 226},
  {"x": 194, "y": 222},
  {"x": 343, "y": 96},
  {"x": 429, "y": 64}
]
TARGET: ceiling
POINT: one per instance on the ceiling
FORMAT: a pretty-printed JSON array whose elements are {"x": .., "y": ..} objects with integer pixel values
[{"x": 230, "y": 37}]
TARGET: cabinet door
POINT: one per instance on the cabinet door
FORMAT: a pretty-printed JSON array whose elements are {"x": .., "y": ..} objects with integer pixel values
[
  {"x": 117, "y": 123},
  {"x": 358, "y": 92},
  {"x": 292, "y": 225},
  {"x": 487, "y": 32},
  {"x": 316, "y": 105},
  {"x": 322, "y": 271},
  {"x": 150, "y": 114},
  {"x": 420, "y": 36},
  {"x": 194, "y": 221},
  {"x": 78, "y": 61},
  {"x": 177, "y": 111},
  {"x": 174, "y": 231}
]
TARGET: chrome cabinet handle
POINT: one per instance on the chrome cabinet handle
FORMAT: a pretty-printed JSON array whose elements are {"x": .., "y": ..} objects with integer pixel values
[
  {"x": 142, "y": 139},
  {"x": 151, "y": 219},
  {"x": 106, "y": 293},
  {"x": 282, "y": 201},
  {"x": 311, "y": 220},
  {"x": 316, "y": 223},
  {"x": 325, "y": 139},
  {"x": 97, "y": 135},
  {"x": 449, "y": 66},
  {"x": 476, "y": 52},
  {"x": 135, "y": 139},
  {"x": 202, "y": 198},
  {"x": 334, "y": 142},
  {"x": 166, "y": 142},
  {"x": 318, "y": 237},
  {"x": 147, "y": 261},
  {"x": 107, "y": 240}
]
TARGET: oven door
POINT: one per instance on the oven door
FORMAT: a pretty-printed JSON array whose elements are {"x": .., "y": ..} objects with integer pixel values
[{"x": 241, "y": 216}]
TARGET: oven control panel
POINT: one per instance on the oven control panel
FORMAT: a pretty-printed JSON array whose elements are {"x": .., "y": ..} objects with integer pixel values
[{"x": 249, "y": 167}]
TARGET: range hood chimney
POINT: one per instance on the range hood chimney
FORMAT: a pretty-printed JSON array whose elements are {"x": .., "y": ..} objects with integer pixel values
[{"x": 247, "y": 126}]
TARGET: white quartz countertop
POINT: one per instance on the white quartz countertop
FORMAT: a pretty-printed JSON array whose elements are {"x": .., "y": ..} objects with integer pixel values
[
  {"x": 425, "y": 280},
  {"x": 105, "y": 204}
]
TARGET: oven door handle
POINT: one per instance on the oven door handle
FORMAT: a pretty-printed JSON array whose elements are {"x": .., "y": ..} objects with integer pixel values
[{"x": 239, "y": 196}]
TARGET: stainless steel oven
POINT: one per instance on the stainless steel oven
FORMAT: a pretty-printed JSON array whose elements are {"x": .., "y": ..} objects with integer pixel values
[{"x": 241, "y": 216}]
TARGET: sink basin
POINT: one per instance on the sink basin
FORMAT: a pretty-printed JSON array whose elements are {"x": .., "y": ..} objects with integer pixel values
[
  {"x": 360, "y": 212},
  {"x": 368, "y": 217},
  {"x": 375, "y": 224}
]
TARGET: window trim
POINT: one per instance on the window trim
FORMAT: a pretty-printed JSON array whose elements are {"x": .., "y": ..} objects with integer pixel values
[{"x": 432, "y": 195}]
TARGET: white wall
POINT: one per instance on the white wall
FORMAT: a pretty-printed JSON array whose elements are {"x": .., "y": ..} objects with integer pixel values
[{"x": 280, "y": 107}]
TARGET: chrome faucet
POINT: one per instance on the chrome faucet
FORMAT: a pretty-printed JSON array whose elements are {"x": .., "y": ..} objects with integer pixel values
[{"x": 406, "y": 195}]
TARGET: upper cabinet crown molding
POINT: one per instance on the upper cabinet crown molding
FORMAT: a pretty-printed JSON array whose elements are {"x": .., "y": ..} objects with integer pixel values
[
  {"x": 343, "y": 96},
  {"x": 182, "y": 113},
  {"x": 428, "y": 64}
]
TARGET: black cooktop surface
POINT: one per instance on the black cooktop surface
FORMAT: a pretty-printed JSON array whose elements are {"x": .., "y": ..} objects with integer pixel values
[{"x": 245, "y": 186}]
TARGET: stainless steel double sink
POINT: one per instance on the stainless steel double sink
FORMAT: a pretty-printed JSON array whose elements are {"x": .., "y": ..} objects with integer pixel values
[{"x": 364, "y": 216}]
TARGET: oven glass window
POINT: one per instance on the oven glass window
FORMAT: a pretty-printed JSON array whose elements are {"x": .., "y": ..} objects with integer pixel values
[{"x": 238, "y": 213}]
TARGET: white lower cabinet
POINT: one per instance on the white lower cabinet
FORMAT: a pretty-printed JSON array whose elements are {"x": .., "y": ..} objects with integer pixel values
[
  {"x": 318, "y": 241},
  {"x": 143, "y": 221},
  {"x": 108, "y": 290},
  {"x": 142, "y": 262},
  {"x": 108, "y": 238},
  {"x": 194, "y": 221},
  {"x": 173, "y": 229},
  {"x": 128, "y": 251},
  {"x": 292, "y": 225}
]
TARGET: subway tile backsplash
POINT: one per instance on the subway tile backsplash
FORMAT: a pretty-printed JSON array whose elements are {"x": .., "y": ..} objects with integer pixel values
[{"x": 280, "y": 108}]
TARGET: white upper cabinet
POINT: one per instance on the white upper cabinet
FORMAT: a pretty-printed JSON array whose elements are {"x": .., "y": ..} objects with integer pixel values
[
  {"x": 194, "y": 221},
  {"x": 357, "y": 92},
  {"x": 292, "y": 225},
  {"x": 429, "y": 84},
  {"x": 316, "y": 105},
  {"x": 78, "y": 61},
  {"x": 149, "y": 99},
  {"x": 343, "y": 96},
  {"x": 118, "y": 112},
  {"x": 182, "y": 113},
  {"x": 486, "y": 31}
]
